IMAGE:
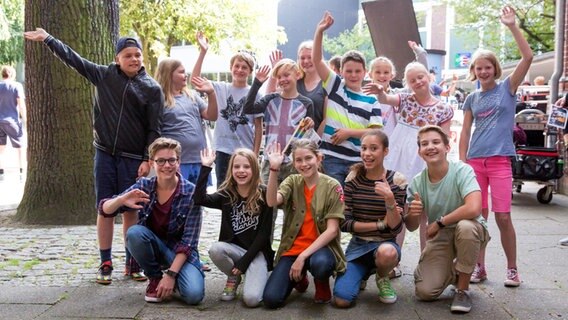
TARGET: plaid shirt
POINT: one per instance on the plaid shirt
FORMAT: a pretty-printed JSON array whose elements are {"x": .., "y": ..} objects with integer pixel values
[{"x": 185, "y": 218}]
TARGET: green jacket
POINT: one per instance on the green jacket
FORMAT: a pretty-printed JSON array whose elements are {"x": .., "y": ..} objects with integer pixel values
[{"x": 327, "y": 203}]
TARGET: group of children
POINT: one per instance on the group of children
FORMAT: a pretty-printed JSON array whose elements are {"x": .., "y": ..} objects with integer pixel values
[{"x": 373, "y": 139}]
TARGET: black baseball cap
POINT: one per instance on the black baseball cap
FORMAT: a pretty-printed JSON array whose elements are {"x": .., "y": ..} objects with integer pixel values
[{"x": 126, "y": 42}]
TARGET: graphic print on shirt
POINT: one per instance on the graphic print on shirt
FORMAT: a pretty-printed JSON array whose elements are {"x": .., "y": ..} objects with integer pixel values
[
  {"x": 242, "y": 220},
  {"x": 234, "y": 113},
  {"x": 487, "y": 111}
]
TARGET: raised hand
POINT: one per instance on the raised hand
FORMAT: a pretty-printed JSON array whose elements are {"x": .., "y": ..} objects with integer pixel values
[
  {"x": 202, "y": 84},
  {"x": 202, "y": 41},
  {"x": 508, "y": 16},
  {"x": 38, "y": 35},
  {"x": 263, "y": 73},
  {"x": 275, "y": 156},
  {"x": 413, "y": 45},
  {"x": 134, "y": 198},
  {"x": 275, "y": 56},
  {"x": 207, "y": 157},
  {"x": 372, "y": 88},
  {"x": 326, "y": 22}
]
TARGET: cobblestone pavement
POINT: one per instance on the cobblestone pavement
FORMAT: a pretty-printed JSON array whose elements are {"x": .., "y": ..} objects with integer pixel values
[{"x": 68, "y": 256}]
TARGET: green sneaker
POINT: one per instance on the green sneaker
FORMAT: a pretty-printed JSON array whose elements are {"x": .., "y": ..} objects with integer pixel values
[
  {"x": 230, "y": 291},
  {"x": 104, "y": 274},
  {"x": 386, "y": 292}
]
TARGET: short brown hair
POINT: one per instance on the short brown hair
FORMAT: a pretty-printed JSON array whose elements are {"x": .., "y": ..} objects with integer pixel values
[
  {"x": 355, "y": 56},
  {"x": 437, "y": 129},
  {"x": 164, "y": 143},
  {"x": 487, "y": 55},
  {"x": 244, "y": 56}
]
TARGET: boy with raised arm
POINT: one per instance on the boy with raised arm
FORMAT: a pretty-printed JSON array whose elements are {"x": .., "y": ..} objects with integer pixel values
[
  {"x": 349, "y": 113},
  {"x": 127, "y": 115}
]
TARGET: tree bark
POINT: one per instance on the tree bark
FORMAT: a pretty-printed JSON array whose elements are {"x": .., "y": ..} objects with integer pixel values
[{"x": 60, "y": 186}]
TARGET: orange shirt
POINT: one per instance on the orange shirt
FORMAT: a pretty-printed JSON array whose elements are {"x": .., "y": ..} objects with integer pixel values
[{"x": 308, "y": 232}]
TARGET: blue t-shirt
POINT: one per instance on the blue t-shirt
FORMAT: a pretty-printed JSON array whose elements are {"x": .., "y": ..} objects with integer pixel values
[
  {"x": 10, "y": 92},
  {"x": 493, "y": 118}
]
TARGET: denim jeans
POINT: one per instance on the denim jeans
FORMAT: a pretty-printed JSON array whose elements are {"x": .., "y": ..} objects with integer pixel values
[
  {"x": 153, "y": 255},
  {"x": 347, "y": 284},
  {"x": 279, "y": 285},
  {"x": 337, "y": 168}
]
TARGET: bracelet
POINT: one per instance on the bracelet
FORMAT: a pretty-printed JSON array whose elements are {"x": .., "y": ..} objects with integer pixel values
[
  {"x": 390, "y": 207},
  {"x": 274, "y": 170}
]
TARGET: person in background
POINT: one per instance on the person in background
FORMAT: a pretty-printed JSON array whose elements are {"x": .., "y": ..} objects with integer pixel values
[
  {"x": 335, "y": 64},
  {"x": 12, "y": 115},
  {"x": 490, "y": 147},
  {"x": 233, "y": 129}
]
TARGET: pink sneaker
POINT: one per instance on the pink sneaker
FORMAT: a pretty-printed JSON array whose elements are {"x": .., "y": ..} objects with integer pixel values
[
  {"x": 479, "y": 274},
  {"x": 513, "y": 279}
]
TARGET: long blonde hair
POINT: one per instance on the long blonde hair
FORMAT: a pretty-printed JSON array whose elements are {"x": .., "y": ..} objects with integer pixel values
[
  {"x": 229, "y": 186},
  {"x": 164, "y": 74}
]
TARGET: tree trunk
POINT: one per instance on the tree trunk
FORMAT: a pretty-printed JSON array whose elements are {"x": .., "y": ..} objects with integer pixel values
[{"x": 60, "y": 185}]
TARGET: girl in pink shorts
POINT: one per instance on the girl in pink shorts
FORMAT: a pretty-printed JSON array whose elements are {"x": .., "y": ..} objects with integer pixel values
[{"x": 487, "y": 150}]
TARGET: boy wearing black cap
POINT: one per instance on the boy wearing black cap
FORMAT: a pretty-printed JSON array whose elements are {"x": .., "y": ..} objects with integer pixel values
[{"x": 127, "y": 119}]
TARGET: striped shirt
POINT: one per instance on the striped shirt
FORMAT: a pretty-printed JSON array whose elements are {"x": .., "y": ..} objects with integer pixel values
[
  {"x": 350, "y": 110},
  {"x": 362, "y": 204}
]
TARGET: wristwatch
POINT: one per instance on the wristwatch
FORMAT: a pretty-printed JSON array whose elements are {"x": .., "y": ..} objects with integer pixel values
[
  {"x": 171, "y": 273},
  {"x": 440, "y": 223}
]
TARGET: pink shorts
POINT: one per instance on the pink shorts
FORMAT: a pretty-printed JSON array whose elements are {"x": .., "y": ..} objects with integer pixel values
[{"x": 494, "y": 173}]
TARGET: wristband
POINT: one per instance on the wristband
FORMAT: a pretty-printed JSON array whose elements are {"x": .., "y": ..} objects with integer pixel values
[
  {"x": 171, "y": 273},
  {"x": 274, "y": 170},
  {"x": 440, "y": 223},
  {"x": 390, "y": 207}
]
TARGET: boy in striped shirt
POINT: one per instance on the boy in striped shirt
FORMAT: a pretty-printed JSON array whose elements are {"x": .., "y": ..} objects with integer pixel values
[{"x": 349, "y": 112}]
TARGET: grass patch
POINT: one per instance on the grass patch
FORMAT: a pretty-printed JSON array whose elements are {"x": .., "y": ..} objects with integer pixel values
[{"x": 28, "y": 265}]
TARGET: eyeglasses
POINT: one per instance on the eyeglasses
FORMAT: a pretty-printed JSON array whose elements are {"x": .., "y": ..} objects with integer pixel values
[{"x": 162, "y": 161}]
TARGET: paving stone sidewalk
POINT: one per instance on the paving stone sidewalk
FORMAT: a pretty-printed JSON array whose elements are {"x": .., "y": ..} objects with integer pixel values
[{"x": 48, "y": 273}]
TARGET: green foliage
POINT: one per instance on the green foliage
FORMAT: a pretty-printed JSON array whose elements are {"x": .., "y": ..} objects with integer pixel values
[
  {"x": 358, "y": 38},
  {"x": 534, "y": 17},
  {"x": 11, "y": 31},
  {"x": 230, "y": 24}
]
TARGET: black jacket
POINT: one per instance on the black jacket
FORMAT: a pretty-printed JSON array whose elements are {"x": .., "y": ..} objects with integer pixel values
[
  {"x": 253, "y": 240},
  {"x": 127, "y": 112}
]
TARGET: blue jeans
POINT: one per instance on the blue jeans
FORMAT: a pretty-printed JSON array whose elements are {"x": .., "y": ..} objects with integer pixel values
[
  {"x": 221, "y": 166},
  {"x": 153, "y": 255},
  {"x": 279, "y": 285},
  {"x": 347, "y": 284},
  {"x": 337, "y": 168},
  {"x": 113, "y": 174}
]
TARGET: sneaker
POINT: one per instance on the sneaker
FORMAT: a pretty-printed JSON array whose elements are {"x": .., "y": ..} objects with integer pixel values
[
  {"x": 462, "y": 302},
  {"x": 104, "y": 274},
  {"x": 302, "y": 286},
  {"x": 323, "y": 292},
  {"x": 563, "y": 242},
  {"x": 513, "y": 279},
  {"x": 230, "y": 290},
  {"x": 479, "y": 274},
  {"x": 133, "y": 271},
  {"x": 152, "y": 291},
  {"x": 386, "y": 291},
  {"x": 395, "y": 273}
]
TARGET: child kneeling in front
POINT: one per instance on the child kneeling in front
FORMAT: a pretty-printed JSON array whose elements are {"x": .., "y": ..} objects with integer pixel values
[
  {"x": 313, "y": 210},
  {"x": 167, "y": 233},
  {"x": 449, "y": 195}
]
